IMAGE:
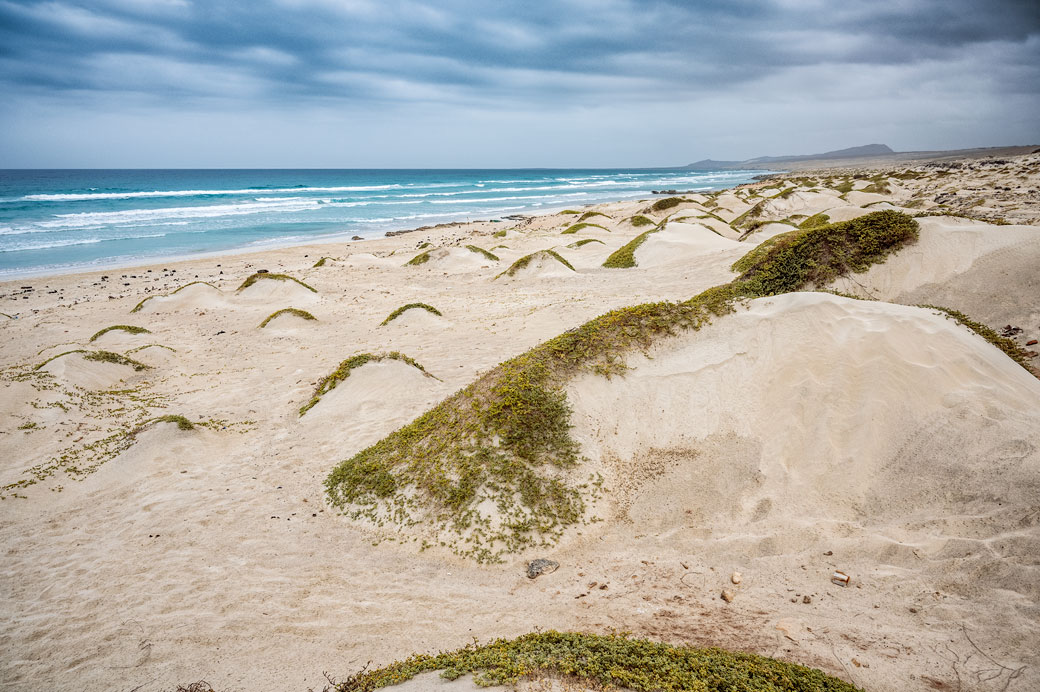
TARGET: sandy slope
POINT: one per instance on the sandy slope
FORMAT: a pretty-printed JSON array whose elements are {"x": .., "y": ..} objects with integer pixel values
[{"x": 802, "y": 434}]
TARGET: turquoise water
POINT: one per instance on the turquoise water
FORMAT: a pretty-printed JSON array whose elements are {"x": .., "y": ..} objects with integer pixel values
[{"x": 68, "y": 220}]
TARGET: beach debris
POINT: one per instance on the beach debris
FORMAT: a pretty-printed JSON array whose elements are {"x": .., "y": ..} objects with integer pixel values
[
  {"x": 1031, "y": 342},
  {"x": 536, "y": 568},
  {"x": 806, "y": 599},
  {"x": 840, "y": 578},
  {"x": 263, "y": 271},
  {"x": 736, "y": 577},
  {"x": 728, "y": 595},
  {"x": 357, "y": 237}
]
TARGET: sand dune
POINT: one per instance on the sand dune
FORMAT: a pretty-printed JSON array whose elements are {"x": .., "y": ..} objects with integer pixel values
[{"x": 679, "y": 242}]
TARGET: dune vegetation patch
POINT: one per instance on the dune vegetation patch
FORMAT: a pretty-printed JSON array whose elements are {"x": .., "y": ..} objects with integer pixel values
[
  {"x": 589, "y": 214},
  {"x": 101, "y": 357},
  {"x": 666, "y": 203},
  {"x": 421, "y": 258},
  {"x": 749, "y": 217},
  {"x": 815, "y": 221},
  {"x": 321, "y": 262},
  {"x": 404, "y": 308},
  {"x": 302, "y": 314},
  {"x": 137, "y": 308},
  {"x": 582, "y": 226},
  {"x": 141, "y": 348},
  {"x": 569, "y": 211},
  {"x": 527, "y": 259},
  {"x": 129, "y": 329},
  {"x": 504, "y": 441},
  {"x": 181, "y": 422},
  {"x": 625, "y": 256},
  {"x": 606, "y": 662},
  {"x": 481, "y": 251},
  {"x": 639, "y": 220},
  {"x": 267, "y": 276},
  {"x": 585, "y": 241},
  {"x": 342, "y": 372},
  {"x": 500, "y": 234}
]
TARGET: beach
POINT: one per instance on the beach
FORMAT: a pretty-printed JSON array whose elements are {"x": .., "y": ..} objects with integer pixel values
[{"x": 840, "y": 428}]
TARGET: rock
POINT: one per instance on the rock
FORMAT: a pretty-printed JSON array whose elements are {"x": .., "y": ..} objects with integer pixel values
[
  {"x": 728, "y": 595},
  {"x": 357, "y": 237},
  {"x": 1031, "y": 342},
  {"x": 536, "y": 568},
  {"x": 736, "y": 577},
  {"x": 806, "y": 599}
]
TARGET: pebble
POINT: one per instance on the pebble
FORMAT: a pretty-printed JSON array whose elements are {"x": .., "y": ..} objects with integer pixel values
[
  {"x": 736, "y": 577},
  {"x": 728, "y": 595},
  {"x": 806, "y": 599},
  {"x": 536, "y": 568}
]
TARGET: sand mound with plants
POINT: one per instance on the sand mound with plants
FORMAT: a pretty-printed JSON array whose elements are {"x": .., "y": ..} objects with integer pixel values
[
  {"x": 453, "y": 260},
  {"x": 544, "y": 264},
  {"x": 197, "y": 294},
  {"x": 272, "y": 288},
  {"x": 987, "y": 271},
  {"x": 91, "y": 369}
]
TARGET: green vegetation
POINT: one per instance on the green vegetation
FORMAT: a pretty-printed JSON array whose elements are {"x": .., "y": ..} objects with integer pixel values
[
  {"x": 29, "y": 425},
  {"x": 482, "y": 251},
  {"x": 815, "y": 221},
  {"x": 177, "y": 290},
  {"x": 267, "y": 276},
  {"x": 666, "y": 203},
  {"x": 843, "y": 187},
  {"x": 526, "y": 260},
  {"x": 421, "y": 258},
  {"x": 141, "y": 348},
  {"x": 181, "y": 422},
  {"x": 639, "y": 220},
  {"x": 424, "y": 245},
  {"x": 749, "y": 217},
  {"x": 505, "y": 439},
  {"x": 500, "y": 234},
  {"x": 397, "y": 313},
  {"x": 590, "y": 214},
  {"x": 100, "y": 356},
  {"x": 322, "y": 261},
  {"x": 1008, "y": 346},
  {"x": 604, "y": 662},
  {"x": 129, "y": 329},
  {"x": 288, "y": 311},
  {"x": 625, "y": 256},
  {"x": 585, "y": 241},
  {"x": 115, "y": 358},
  {"x": 581, "y": 226},
  {"x": 329, "y": 382},
  {"x": 569, "y": 211}
]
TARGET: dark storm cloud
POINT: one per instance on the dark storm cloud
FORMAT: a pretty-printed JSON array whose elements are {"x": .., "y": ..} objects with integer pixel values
[{"x": 479, "y": 52}]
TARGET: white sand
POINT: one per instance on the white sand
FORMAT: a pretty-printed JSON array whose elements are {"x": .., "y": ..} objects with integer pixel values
[{"x": 801, "y": 434}]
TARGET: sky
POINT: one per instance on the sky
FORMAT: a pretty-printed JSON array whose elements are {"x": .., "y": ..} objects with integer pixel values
[{"x": 503, "y": 84}]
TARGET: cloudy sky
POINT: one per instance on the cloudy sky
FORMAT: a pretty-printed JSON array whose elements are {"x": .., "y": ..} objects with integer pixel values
[{"x": 479, "y": 83}]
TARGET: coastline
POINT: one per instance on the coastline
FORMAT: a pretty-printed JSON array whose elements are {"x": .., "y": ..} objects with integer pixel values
[{"x": 798, "y": 435}]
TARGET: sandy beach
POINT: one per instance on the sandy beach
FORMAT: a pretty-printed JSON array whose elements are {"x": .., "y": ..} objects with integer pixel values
[{"x": 838, "y": 428}]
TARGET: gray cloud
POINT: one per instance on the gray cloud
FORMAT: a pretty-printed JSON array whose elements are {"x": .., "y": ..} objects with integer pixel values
[{"x": 158, "y": 58}]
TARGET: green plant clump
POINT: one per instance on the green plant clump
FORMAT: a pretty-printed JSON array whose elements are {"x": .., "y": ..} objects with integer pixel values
[
  {"x": 604, "y": 662},
  {"x": 625, "y": 256},
  {"x": 500, "y": 234},
  {"x": 287, "y": 311},
  {"x": 581, "y": 226},
  {"x": 272, "y": 277},
  {"x": 666, "y": 203},
  {"x": 526, "y": 260},
  {"x": 181, "y": 422},
  {"x": 329, "y": 382},
  {"x": 569, "y": 211},
  {"x": 421, "y": 258},
  {"x": 505, "y": 440},
  {"x": 590, "y": 214},
  {"x": 100, "y": 356},
  {"x": 397, "y": 313},
  {"x": 815, "y": 221},
  {"x": 585, "y": 241},
  {"x": 640, "y": 220},
  {"x": 482, "y": 251},
  {"x": 322, "y": 261},
  {"x": 129, "y": 329}
]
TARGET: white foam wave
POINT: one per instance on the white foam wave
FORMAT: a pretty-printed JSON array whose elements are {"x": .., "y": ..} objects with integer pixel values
[
  {"x": 79, "y": 196},
  {"x": 92, "y": 240}
]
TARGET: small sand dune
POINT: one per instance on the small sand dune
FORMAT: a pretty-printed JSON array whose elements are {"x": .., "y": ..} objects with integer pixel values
[
  {"x": 189, "y": 297},
  {"x": 74, "y": 369},
  {"x": 679, "y": 242},
  {"x": 277, "y": 291}
]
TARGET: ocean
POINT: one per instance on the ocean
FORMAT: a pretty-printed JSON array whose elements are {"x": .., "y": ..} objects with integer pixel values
[{"x": 59, "y": 221}]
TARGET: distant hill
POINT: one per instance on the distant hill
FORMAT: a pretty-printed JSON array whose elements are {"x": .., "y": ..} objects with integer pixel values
[{"x": 850, "y": 153}]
